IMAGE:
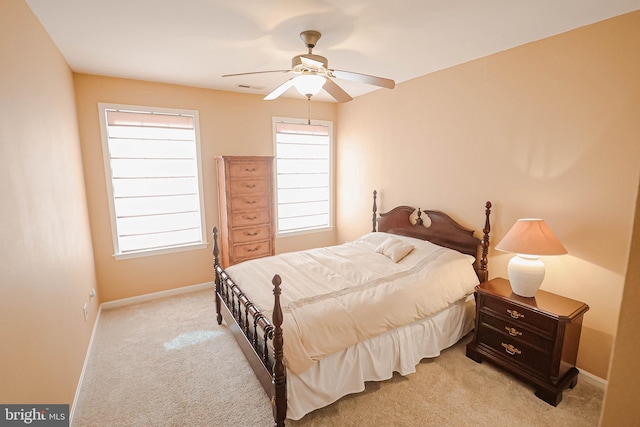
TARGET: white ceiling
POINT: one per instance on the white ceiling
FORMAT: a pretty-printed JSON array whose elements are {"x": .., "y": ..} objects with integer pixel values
[{"x": 195, "y": 42}]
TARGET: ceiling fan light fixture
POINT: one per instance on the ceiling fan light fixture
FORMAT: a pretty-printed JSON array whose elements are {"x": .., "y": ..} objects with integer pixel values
[{"x": 308, "y": 84}]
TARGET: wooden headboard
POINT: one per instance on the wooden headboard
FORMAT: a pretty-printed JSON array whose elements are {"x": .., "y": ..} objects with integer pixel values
[{"x": 442, "y": 230}]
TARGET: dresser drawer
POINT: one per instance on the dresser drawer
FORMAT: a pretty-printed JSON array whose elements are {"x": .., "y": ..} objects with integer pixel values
[
  {"x": 243, "y": 170},
  {"x": 516, "y": 330},
  {"x": 251, "y": 250},
  {"x": 515, "y": 350},
  {"x": 256, "y": 201},
  {"x": 249, "y": 218},
  {"x": 249, "y": 186},
  {"x": 522, "y": 315},
  {"x": 250, "y": 234}
]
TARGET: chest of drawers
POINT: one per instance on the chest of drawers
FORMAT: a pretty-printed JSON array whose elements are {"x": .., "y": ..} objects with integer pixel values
[
  {"x": 245, "y": 208},
  {"x": 536, "y": 339}
]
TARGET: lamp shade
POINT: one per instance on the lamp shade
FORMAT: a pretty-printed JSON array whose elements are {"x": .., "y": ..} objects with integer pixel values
[
  {"x": 308, "y": 84},
  {"x": 531, "y": 236}
]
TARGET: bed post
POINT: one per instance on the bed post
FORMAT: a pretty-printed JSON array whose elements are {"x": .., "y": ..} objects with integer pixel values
[
  {"x": 375, "y": 210},
  {"x": 279, "y": 400},
  {"x": 216, "y": 263},
  {"x": 485, "y": 244}
]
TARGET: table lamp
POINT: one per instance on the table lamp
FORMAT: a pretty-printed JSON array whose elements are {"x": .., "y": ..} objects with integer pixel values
[{"x": 529, "y": 238}]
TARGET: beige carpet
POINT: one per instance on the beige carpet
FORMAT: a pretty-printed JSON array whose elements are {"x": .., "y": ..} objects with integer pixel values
[{"x": 167, "y": 363}]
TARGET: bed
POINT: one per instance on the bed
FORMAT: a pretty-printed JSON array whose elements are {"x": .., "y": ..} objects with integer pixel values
[{"x": 354, "y": 312}]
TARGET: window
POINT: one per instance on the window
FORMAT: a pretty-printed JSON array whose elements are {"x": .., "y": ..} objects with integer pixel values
[
  {"x": 152, "y": 166},
  {"x": 303, "y": 175}
]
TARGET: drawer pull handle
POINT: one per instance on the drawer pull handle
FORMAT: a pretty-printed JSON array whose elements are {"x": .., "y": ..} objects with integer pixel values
[
  {"x": 509, "y": 348},
  {"x": 253, "y": 249},
  {"x": 249, "y": 169},
  {"x": 512, "y": 331},
  {"x": 255, "y": 233},
  {"x": 515, "y": 314},
  {"x": 250, "y": 218},
  {"x": 249, "y": 185},
  {"x": 250, "y": 202}
]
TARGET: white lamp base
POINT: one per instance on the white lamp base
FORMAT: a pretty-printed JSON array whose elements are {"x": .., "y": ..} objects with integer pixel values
[{"x": 526, "y": 273}]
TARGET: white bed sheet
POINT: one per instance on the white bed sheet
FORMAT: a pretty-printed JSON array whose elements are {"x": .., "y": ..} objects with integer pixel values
[{"x": 377, "y": 358}]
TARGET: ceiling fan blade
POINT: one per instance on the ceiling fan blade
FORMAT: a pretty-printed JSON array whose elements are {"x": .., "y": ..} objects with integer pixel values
[
  {"x": 256, "y": 72},
  {"x": 364, "y": 78},
  {"x": 279, "y": 90},
  {"x": 336, "y": 91}
]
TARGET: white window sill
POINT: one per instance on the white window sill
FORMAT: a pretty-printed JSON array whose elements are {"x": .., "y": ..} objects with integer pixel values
[
  {"x": 282, "y": 234},
  {"x": 162, "y": 251}
]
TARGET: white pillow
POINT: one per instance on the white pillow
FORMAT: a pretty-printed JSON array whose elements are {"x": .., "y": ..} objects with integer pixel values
[{"x": 394, "y": 249}]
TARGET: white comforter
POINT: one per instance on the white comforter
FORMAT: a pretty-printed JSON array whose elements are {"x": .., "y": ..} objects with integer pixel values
[{"x": 337, "y": 296}]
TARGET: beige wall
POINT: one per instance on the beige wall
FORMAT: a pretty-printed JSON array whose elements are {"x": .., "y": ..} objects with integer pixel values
[
  {"x": 549, "y": 129},
  {"x": 622, "y": 398},
  {"x": 46, "y": 260},
  {"x": 230, "y": 124}
]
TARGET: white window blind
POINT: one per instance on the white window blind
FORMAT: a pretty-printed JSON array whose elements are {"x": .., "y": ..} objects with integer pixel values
[
  {"x": 153, "y": 171},
  {"x": 303, "y": 176}
]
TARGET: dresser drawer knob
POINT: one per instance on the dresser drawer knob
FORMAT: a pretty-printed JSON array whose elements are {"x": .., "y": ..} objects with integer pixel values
[
  {"x": 253, "y": 249},
  {"x": 249, "y": 185},
  {"x": 249, "y": 169},
  {"x": 509, "y": 348},
  {"x": 250, "y": 218},
  {"x": 515, "y": 314},
  {"x": 255, "y": 233},
  {"x": 250, "y": 202},
  {"x": 512, "y": 331}
]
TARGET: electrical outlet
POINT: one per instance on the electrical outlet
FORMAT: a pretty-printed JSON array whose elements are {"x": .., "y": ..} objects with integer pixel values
[
  {"x": 92, "y": 293},
  {"x": 85, "y": 310}
]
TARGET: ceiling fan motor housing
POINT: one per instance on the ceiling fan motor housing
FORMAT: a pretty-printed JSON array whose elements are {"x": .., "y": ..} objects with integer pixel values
[{"x": 309, "y": 62}]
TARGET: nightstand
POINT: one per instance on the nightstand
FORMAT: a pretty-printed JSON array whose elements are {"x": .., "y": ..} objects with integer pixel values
[{"x": 536, "y": 339}]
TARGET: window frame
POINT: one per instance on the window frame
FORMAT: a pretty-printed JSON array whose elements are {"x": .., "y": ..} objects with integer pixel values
[
  {"x": 309, "y": 230},
  {"x": 106, "y": 156}
]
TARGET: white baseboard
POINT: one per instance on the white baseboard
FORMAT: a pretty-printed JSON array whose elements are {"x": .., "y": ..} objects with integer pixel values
[
  {"x": 84, "y": 366},
  {"x": 594, "y": 380},
  {"x": 156, "y": 295}
]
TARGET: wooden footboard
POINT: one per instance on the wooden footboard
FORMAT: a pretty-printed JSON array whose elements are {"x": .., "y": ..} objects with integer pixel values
[{"x": 253, "y": 331}]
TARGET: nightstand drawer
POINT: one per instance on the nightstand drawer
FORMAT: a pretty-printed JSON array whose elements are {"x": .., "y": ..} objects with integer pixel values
[
  {"x": 516, "y": 330},
  {"x": 522, "y": 314},
  {"x": 515, "y": 350}
]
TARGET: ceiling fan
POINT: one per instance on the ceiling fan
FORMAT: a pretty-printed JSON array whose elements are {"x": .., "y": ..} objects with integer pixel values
[{"x": 313, "y": 74}]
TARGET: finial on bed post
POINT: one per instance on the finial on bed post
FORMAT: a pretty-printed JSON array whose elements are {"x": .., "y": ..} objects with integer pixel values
[
  {"x": 419, "y": 220},
  {"x": 216, "y": 263},
  {"x": 375, "y": 210},
  {"x": 279, "y": 400},
  {"x": 485, "y": 243},
  {"x": 216, "y": 251}
]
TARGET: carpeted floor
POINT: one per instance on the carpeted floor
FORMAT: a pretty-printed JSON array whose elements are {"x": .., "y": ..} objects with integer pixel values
[{"x": 167, "y": 363}]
